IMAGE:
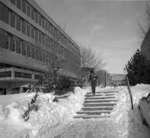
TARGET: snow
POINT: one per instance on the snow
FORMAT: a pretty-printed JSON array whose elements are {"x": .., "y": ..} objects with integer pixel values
[
  {"x": 136, "y": 128},
  {"x": 129, "y": 121},
  {"x": 123, "y": 123},
  {"x": 55, "y": 119},
  {"x": 50, "y": 114}
]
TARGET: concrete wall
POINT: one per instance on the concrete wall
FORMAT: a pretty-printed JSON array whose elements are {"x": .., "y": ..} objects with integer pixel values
[{"x": 13, "y": 58}]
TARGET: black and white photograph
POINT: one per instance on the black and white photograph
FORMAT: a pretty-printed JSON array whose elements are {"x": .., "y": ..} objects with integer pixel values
[{"x": 74, "y": 68}]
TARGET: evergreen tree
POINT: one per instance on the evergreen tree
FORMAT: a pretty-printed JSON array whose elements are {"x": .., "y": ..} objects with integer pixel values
[{"x": 138, "y": 69}]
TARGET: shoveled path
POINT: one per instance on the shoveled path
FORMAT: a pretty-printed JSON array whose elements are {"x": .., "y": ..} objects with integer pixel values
[
  {"x": 93, "y": 120},
  {"x": 99, "y": 105}
]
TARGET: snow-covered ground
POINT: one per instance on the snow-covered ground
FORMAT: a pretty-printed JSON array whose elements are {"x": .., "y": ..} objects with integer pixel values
[
  {"x": 129, "y": 121},
  {"x": 124, "y": 123},
  {"x": 49, "y": 116},
  {"x": 56, "y": 118}
]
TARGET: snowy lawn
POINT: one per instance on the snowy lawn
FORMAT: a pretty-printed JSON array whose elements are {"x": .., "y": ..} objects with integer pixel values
[{"x": 49, "y": 116}]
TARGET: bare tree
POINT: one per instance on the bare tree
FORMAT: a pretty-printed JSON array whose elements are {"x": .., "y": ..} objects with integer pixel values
[{"x": 89, "y": 59}]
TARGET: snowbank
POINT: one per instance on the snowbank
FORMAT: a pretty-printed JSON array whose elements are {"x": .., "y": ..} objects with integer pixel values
[
  {"x": 49, "y": 116},
  {"x": 129, "y": 121},
  {"x": 136, "y": 128}
]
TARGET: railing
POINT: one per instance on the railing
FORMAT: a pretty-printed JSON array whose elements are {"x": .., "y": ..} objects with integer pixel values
[{"x": 130, "y": 93}]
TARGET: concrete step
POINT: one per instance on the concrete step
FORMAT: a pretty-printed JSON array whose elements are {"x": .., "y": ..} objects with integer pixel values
[
  {"x": 95, "y": 112},
  {"x": 84, "y": 116},
  {"x": 97, "y": 108},
  {"x": 100, "y": 97},
  {"x": 102, "y": 94},
  {"x": 99, "y": 104},
  {"x": 99, "y": 100}
]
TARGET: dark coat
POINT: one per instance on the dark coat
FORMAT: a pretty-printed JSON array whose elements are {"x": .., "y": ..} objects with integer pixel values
[{"x": 93, "y": 79}]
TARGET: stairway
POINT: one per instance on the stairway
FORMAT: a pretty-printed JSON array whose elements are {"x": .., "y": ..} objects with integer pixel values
[{"x": 99, "y": 105}]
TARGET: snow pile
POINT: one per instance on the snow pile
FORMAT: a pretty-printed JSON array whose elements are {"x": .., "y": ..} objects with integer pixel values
[
  {"x": 139, "y": 91},
  {"x": 49, "y": 116},
  {"x": 135, "y": 128},
  {"x": 53, "y": 115},
  {"x": 119, "y": 116},
  {"x": 128, "y": 121},
  {"x": 7, "y": 99}
]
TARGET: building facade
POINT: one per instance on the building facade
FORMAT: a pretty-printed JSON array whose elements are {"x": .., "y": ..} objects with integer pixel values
[
  {"x": 30, "y": 42},
  {"x": 118, "y": 79},
  {"x": 145, "y": 47}
]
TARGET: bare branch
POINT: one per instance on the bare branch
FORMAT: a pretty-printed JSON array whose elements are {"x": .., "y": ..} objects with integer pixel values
[{"x": 89, "y": 59}]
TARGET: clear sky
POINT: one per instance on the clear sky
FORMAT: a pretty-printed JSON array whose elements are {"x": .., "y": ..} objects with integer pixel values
[{"x": 109, "y": 27}]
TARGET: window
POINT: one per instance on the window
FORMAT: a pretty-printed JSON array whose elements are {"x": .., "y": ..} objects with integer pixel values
[
  {"x": 40, "y": 21},
  {"x": 19, "y": 4},
  {"x": 24, "y": 48},
  {"x": 36, "y": 35},
  {"x": 52, "y": 45},
  {"x": 40, "y": 36},
  {"x": 18, "y": 23},
  {"x": 32, "y": 14},
  {"x": 28, "y": 9},
  {"x": 12, "y": 19},
  {"x": 4, "y": 40},
  {"x": 31, "y": 9},
  {"x": 13, "y": 1},
  {"x": 4, "y": 13},
  {"x": 23, "y": 75},
  {"x": 5, "y": 74},
  {"x": 44, "y": 57},
  {"x": 36, "y": 54},
  {"x": 47, "y": 57},
  {"x": 23, "y": 26},
  {"x": 33, "y": 52},
  {"x": 18, "y": 45},
  {"x": 12, "y": 44},
  {"x": 32, "y": 32},
  {"x": 43, "y": 38},
  {"x": 36, "y": 16},
  {"x": 37, "y": 77},
  {"x": 28, "y": 29},
  {"x": 28, "y": 50},
  {"x": 40, "y": 55},
  {"x": 46, "y": 43},
  {"x": 46, "y": 25},
  {"x": 24, "y": 7}
]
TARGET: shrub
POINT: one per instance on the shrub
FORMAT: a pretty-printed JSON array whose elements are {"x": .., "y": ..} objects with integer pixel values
[
  {"x": 138, "y": 69},
  {"x": 63, "y": 83}
]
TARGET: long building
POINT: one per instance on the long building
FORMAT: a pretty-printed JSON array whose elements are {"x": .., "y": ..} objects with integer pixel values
[{"x": 30, "y": 42}]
